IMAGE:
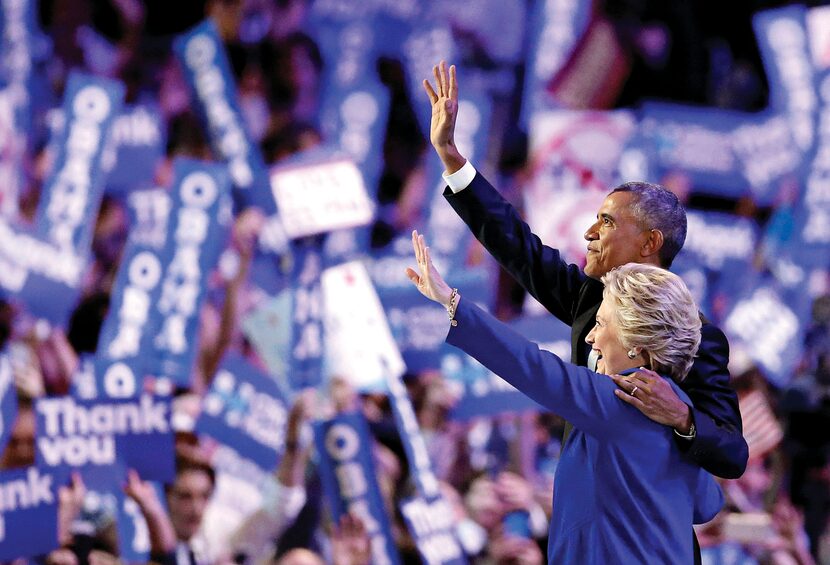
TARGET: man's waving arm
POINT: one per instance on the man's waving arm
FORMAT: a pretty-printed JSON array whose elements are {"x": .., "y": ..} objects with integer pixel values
[{"x": 492, "y": 220}]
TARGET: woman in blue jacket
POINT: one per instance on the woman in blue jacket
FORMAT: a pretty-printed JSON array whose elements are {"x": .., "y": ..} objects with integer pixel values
[{"x": 632, "y": 496}]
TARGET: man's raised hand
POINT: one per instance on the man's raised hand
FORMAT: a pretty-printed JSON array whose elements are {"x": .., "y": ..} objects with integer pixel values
[{"x": 444, "y": 100}]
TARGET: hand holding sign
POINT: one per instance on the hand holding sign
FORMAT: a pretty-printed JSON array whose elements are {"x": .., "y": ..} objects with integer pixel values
[
  {"x": 350, "y": 542},
  {"x": 162, "y": 534},
  {"x": 444, "y": 114},
  {"x": 70, "y": 502}
]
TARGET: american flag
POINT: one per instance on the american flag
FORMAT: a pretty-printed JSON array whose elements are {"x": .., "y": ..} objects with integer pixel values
[{"x": 762, "y": 430}]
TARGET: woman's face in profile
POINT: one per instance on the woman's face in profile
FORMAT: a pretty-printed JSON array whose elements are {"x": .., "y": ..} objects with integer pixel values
[{"x": 604, "y": 338}]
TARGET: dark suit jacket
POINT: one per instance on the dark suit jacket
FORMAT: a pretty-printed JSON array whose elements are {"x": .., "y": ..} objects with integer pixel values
[{"x": 570, "y": 295}]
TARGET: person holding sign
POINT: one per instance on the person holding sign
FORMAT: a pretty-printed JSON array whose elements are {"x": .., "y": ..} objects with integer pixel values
[{"x": 631, "y": 495}]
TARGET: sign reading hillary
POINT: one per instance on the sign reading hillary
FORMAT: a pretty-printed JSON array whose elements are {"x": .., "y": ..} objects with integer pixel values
[
  {"x": 320, "y": 197},
  {"x": 348, "y": 474},
  {"x": 769, "y": 330},
  {"x": 208, "y": 75},
  {"x": 721, "y": 241},
  {"x": 766, "y": 154},
  {"x": 43, "y": 276},
  {"x": 431, "y": 521},
  {"x": 75, "y": 433},
  {"x": 357, "y": 340},
  {"x": 72, "y": 193},
  {"x": 28, "y": 513},
  {"x": 245, "y": 410},
  {"x": 197, "y": 232},
  {"x": 785, "y": 52}
]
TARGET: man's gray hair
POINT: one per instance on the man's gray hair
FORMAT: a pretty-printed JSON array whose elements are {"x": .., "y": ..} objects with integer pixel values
[
  {"x": 656, "y": 207},
  {"x": 656, "y": 313}
]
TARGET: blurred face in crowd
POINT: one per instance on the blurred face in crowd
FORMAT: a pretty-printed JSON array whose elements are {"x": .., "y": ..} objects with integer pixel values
[
  {"x": 300, "y": 557},
  {"x": 615, "y": 238},
  {"x": 484, "y": 504},
  {"x": 187, "y": 499},
  {"x": 20, "y": 450},
  {"x": 605, "y": 339}
]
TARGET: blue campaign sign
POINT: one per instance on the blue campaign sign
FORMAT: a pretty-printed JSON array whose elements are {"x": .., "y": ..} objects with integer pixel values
[
  {"x": 699, "y": 279},
  {"x": 810, "y": 245},
  {"x": 431, "y": 521},
  {"x": 767, "y": 155},
  {"x": 197, "y": 236},
  {"x": 768, "y": 326},
  {"x": 208, "y": 74},
  {"x": 245, "y": 410},
  {"x": 44, "y": 277},
  {"x": 72, "y": 193},
  {"x": 75, "y": 433},
  {"x": 720, "y": 241},
  {"x": 130, "y": 326},
  {"x": 354, "y": 117},
  {"x": 483, "y": 393},
  {"x": 347, "y": 471},
  {"x": 138, "y": 142},
  {"x": 695, "y": 141},
  {"x": 785, "y": 52},
  {"x": 8, "y": 400},
  {"x": 427, "y": 43},
  {"x": 18, "y": 29},
  {"x": 420, "y": 466},
  {"x": 306, "y": 362},
  {"x": 555, "y": 30},
  {"x": 28, "y": 513}
]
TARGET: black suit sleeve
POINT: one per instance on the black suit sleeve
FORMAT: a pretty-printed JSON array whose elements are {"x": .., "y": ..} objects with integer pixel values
[
  {"x": 537, "y": 267},
  {"x": 719, "y": 446}
]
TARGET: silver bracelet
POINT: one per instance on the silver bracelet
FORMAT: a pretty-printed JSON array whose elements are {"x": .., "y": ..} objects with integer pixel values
[{"x": 451, "y": 308}]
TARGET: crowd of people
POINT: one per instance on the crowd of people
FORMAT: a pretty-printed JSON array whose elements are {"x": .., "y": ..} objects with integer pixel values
[{"x": 496, "y": 473}]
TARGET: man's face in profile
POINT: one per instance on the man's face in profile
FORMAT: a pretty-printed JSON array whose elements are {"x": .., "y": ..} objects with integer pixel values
[{"x": 616, "y": 238}]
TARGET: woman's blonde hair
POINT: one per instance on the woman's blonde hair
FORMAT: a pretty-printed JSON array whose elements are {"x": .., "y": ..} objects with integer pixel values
[{"x": 656, "y": 313}]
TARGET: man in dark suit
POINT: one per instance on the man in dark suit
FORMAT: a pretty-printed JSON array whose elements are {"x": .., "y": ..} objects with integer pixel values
[{"x": 638, "y": 222}]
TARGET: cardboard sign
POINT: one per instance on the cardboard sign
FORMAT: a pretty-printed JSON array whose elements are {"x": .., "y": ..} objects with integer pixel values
[
  {"x": 74, "y": 433},
  {"x": 358, "y": 342},
  {"x": 28, "y": 513},
  {"x": 245, "y": 410},
  {"x": 348, "y": 474},
  {"x": 321, "y": 197}
]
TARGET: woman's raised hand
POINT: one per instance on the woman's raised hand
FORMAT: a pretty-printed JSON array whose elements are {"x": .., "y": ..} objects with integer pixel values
[{"x": 427, "y": 278}]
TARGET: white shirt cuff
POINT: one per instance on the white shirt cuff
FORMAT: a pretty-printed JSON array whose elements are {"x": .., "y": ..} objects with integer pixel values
[{"x": 461, "y": 178}]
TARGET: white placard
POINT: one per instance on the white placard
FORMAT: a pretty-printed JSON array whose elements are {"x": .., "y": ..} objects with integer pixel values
[
  {"x": 818, "y": 26},
  {"x": 358, "y": 343},
  {"x": 321, "y": 197}
]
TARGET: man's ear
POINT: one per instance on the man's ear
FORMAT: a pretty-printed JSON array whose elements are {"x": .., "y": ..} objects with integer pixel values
[{"x": 652, "y": 245}]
